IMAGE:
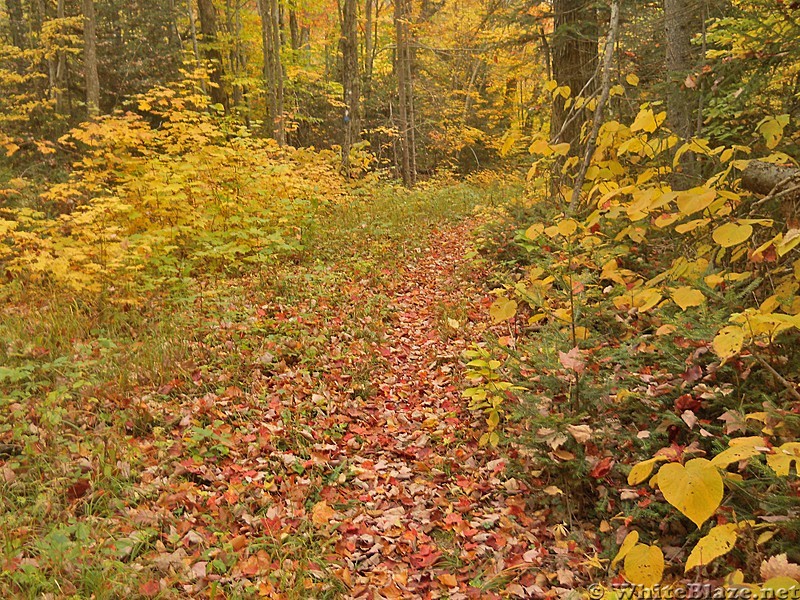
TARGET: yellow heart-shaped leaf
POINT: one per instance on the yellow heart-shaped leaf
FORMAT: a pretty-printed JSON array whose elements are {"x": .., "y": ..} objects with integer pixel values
[
  {"x": 732, "y": 234},
  {"x": 502, "y": 309},
  {"x": 695, "y": 489},
  {"x": 728, "y": 342},
  {"x": 644, "y": 565}
]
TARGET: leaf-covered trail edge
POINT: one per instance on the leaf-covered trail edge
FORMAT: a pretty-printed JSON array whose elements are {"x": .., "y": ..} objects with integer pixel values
[{"x": 355, "y": 472}]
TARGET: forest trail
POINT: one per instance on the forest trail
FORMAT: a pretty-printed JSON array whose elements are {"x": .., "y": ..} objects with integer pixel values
[
  {"x": 357, "y": 472},
  {"x": 430, "y": 511}
]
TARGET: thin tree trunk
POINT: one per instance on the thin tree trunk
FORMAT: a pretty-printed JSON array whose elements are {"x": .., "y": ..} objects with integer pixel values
[
  {"x": 605, "y": 89},
  {"x": 368, "y": 47},
  {"x": 235, "y": 63},
  {"x": 681, "y": 22},
  {"x": 280, "y": 131},
  {"x": 294, "y": 30},
  {"x": 405, "y": 90},
  {"x": 273, "y": 68},
  {"x": 574, "y": 48},
  {"x": 90, "y": 59},
  {"x": 16, "y": 23},
  {"x": 193, "y": 31},
  {"x": 209, "y": 29},
  {"x": 350, "y": 79}
]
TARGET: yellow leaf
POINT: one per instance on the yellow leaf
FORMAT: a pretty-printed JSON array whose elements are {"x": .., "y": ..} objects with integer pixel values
[
  {"x": 686, "y": 297},
  {"x": 617, "y": 90},
  {"x": 732, "y": 234},
  {"x": 666, "y": 219},
  {"x": 789, "y": 242},
  {"x": 728, "y": 342},
  {"x": 646, "y": 299},
  {"x": 772, "y": 129},
  {"x": 567, "y": 227},
  {"x": 448, "y": 579},
  {"x": 552, "y": 490},
  {"x": 719, "y": 541},
  {"x": 644, "y": 565},
  {"x": 732, "y": 455},
  {"x": 502, "y": 309},
  {"x": 780, "y": 587},
  {"x": 540, "y": 146},
  {"x": 695, "y": 200},
  {"x": 550, "y": 85},
  {"x": 781, "y": 461},
  {"x": 534, "y": 231},
  {"x": 560, "y": 149},
  {"x": 322, "y": 514},
  {"x": 642, "y": 470},
  {"x": 627, "y": 544},
  {"x": 632, "y": 79},
  {"x": 645, "y": 121},
  {"x": 692, "y": 225},
  {"x": 695, "y": 489}
]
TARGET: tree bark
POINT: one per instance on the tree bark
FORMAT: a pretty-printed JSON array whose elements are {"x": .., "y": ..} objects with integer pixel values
[
  {"x": 681, "y": 22},
  {"x": 209, "y": 29},
  {"x": 765, "y": 178},
  {"x": 90, "y": 59},
  {"x": 405, "y": 91},
  {"x": 294, "y": 30},
  {"x": 350, "y": 79},
  {"x": 273, "y": 67},
  {"x": 605, "y": 89},
  {"x": 16, "y": 23},
  {"x": 368, "y": 47},
  {"x": 574, "y": 60}
]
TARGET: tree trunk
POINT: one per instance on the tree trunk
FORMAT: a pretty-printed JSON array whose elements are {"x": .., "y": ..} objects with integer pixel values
[
  {"x": 368, "y": 47},
  {"x": 597, "y": 119},
  {"x": 236, "y": 58},
  {"x": 681, "y": 22},
  {"x": 273, "y": 68},
  {"x": 405, "y": 91},
  {"x": 16, "y": 23},
  {"x": 294, "y": 30},
  {"x": 574, "y": 48},
  {"x": 90, "y": 59},
  {"x": 350, "y": 79},
  {"x": 768, "y": 179},
  {"x": 209, "y": 29}
]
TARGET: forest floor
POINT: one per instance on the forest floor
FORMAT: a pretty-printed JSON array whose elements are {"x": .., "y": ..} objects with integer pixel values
[{"x": 298, "y": 433}]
